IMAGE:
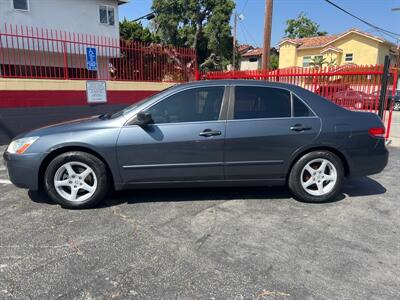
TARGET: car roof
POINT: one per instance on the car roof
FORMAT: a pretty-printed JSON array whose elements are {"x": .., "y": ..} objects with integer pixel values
[{"x": 238, "y": 82}]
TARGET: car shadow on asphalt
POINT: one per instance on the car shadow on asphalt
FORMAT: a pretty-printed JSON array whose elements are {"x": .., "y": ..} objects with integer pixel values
[{"x": 357, "y": 187}]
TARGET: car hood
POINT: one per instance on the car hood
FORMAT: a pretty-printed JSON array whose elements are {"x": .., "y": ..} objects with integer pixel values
[{"x": 87, "y": 123}]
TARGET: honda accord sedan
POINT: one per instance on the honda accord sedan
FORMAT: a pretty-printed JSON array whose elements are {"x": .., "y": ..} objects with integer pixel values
[{"x": 206, "y": 133}]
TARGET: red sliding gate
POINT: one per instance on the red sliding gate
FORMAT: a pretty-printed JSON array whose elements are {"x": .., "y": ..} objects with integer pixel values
[{"x": 353, "y": 87}]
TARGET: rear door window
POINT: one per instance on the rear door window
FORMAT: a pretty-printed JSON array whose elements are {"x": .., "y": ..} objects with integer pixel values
[{"x": 261, "y": 102}]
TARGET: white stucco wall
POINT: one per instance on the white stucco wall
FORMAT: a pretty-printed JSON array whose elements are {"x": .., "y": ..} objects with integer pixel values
[
  {"x": 80, "y": 16},
  {"x": 246, "y": 64}
]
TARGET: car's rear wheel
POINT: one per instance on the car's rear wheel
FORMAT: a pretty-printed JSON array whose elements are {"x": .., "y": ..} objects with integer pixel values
[
  {"x": 76, "y": 180},
  {"x": 396, "y": 106},
  {"x": 317, "y": 177}
]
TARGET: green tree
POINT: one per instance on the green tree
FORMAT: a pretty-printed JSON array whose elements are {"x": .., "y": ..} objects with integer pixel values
[
  {"x": 199, "y": 24},
  {"x": 274, "y": 61},
  {"x": 130, "y": 30},
  {"x": 301, "y": 27}
]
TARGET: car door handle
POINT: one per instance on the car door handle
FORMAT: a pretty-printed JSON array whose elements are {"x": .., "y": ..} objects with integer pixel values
[
  {"x": 209, "y": 132},
  {"x": 300, "y": 127}
]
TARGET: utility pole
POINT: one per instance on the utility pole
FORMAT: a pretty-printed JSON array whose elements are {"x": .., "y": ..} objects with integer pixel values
[
  {"x": 267, "y": 33},
  {"x": 235, "y": 19},
  {"x": 398, "y": 45}
]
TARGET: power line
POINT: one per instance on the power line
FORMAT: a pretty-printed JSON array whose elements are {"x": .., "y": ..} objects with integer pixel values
[
  {"x": 244, "y": 34},
  {"x": 248, "y": 33},
  {"x": 244, "y": 7},
  {"x": 362, "y": 20},
  {"x": 381, "y": 33}
]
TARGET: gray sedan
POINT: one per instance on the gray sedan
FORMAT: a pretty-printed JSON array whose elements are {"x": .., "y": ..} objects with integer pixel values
[{"x": 207, "y": 133}]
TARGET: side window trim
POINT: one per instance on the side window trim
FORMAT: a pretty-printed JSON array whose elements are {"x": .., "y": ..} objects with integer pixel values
[{"x": 222, "y": 114}]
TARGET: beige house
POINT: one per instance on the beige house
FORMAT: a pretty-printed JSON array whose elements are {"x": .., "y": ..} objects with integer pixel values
[{"x": 350, "y": 47}]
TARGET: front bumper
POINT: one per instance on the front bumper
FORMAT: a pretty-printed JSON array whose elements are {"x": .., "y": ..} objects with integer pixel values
[{"x": 23, "y": 169}]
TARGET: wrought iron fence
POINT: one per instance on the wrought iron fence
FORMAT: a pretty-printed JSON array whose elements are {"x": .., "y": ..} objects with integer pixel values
[{"x": 31, "y": 52}]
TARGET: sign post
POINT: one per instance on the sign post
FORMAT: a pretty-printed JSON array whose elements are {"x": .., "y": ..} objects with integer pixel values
[{"x": 91, "y": 59}]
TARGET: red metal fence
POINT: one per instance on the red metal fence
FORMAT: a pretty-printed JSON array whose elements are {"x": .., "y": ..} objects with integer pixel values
[
  {"x": 353, "y": 87},
  {"x": 31, "y": 52}
]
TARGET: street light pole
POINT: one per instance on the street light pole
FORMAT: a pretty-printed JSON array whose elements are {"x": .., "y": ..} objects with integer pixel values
[{"x": 267, "y": 33}]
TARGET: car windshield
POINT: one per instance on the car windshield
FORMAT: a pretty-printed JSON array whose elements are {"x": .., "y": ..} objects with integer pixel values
[{"x": 140, "y": 103}]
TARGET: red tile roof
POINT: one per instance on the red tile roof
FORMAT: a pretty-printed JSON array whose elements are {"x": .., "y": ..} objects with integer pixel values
[
  {"x": 313, "y": 42},
  {"x": 244, "y": 48},
  {"x": 322, "y": 41},
  {"x": 253, "y": 52}
]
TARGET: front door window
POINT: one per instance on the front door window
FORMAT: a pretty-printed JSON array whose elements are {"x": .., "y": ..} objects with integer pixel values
[{"x": 193, "y": 105}]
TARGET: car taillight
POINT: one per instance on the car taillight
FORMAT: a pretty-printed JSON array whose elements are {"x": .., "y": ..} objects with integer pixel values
[{"x": 377, "y": 131}]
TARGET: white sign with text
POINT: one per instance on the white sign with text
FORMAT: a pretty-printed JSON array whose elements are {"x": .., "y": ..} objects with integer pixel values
[{"x": 96, "y": 91}]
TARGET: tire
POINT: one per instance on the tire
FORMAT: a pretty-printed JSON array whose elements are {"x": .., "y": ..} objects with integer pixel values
[
  {"x": 396, "y": 106},
  {"x": 321, "y": 185},
  {"x": 73, "y": 190}
]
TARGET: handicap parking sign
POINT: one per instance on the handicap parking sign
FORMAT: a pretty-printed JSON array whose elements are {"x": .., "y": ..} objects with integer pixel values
[{"x": 91, "y": 59}]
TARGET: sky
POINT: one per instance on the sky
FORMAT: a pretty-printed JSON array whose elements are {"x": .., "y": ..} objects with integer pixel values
[{"x": 330, "y": 19}]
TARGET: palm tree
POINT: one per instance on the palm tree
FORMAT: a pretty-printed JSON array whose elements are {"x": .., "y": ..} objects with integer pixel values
[
  {"x": 331, "y": 62},
  {"x": 317, "y": 61}
]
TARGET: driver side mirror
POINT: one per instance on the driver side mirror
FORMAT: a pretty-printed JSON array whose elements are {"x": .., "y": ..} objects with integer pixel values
[{"x": 143, "y": 118}]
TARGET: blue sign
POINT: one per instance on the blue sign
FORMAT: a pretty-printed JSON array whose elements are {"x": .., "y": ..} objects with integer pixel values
[{"x": 91, "y": 59}]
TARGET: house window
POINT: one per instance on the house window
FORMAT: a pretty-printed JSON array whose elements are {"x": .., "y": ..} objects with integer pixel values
[
  {"x": 253, "y": 59},
  {"x": 107, "y": 15},
  {"x": 306, "y": 61},
  {"x": 349, "y": 57},
  {"x": 20, "y": 4}
]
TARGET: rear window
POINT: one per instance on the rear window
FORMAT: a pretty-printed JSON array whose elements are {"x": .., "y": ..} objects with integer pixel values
[{"x": 300, "y": 109}]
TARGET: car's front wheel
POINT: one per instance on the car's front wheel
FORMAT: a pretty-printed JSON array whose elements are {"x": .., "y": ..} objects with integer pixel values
[
  {"x": 76, "y": 180},
  {"x": 317, "y": 177}
]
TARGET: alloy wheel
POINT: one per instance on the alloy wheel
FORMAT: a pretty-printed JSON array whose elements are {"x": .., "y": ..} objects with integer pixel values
[
  {"x": 75, "y": 181},
  {"x": 318, "y": 177}
]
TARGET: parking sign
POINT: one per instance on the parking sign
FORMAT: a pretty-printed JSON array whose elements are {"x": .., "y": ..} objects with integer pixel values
[{"x": 91, "y": 59}]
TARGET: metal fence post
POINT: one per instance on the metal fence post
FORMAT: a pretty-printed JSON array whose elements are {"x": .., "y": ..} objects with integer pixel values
[
  {"x": 394, "y": 88},
  {"x": 65, "y": 60},
  {"x": 384, "y": 83}
]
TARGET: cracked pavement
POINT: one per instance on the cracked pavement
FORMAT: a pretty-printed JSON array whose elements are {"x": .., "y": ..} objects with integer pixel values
[{"x": 227, "y": 243}]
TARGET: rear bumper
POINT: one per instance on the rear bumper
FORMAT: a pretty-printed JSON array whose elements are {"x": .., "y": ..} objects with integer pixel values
[
  {"x": 23, "y": 169},
  {"x": 369, "y": 161}
]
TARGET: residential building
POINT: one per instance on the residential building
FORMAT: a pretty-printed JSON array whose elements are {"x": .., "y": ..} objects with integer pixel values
[
  {"x": 251, "y": 57},
  {"x": 40, "y": 37},
  {"x": 96, "y": 17},
  {"x": 350, "y": 47}
]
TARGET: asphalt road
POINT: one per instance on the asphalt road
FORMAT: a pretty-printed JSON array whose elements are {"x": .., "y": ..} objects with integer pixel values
[{"x": 236, "y": 243}]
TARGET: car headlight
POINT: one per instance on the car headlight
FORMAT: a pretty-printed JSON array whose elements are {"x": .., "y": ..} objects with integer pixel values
[{"x": 19, "y": 146}]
